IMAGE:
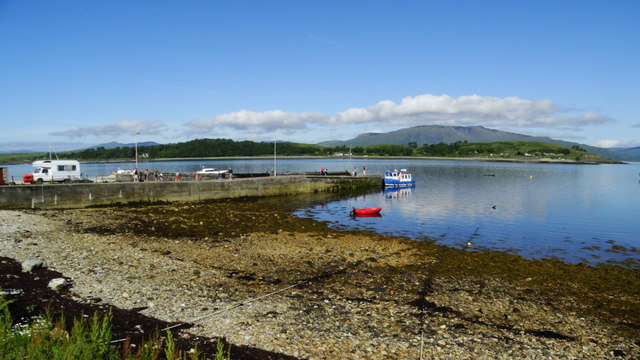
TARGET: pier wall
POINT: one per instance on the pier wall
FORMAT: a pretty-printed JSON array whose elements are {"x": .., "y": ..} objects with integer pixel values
[{"x": 83, "y": 195}]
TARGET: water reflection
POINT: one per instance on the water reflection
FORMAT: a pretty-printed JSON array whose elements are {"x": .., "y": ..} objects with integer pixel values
[
  {"x": 396, "y": 192},
  {"x": 576, "y": 213}
]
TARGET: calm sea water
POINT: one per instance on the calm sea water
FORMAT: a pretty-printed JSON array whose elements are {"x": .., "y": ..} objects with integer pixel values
[{"x": 577, "y": 213}]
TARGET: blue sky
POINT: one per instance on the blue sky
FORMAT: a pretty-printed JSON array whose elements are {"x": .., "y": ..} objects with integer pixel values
[{"x": 97, "y": 71}]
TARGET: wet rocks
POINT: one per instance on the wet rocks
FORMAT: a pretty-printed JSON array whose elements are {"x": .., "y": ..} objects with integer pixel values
[
  {"x": 307, "y": 295},
  {"x": 32, "y": 265},
  {"x": 58, "y": 284}
]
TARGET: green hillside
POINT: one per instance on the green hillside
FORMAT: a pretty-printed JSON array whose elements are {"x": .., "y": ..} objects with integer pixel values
[
  {"x": 431, "y": 134},
  {"x": 434, "y": 134},
  {"x": 19, "y": 158},
  {"x": 204, "y": 148},
  {"x": 196, "y": 149},
  {"x": 514, "y": 150}
]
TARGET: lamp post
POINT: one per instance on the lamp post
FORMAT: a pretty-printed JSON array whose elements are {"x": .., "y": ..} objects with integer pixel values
[
  {"x": 137, "y": 150},
  {"x": 274, "y": 159}
]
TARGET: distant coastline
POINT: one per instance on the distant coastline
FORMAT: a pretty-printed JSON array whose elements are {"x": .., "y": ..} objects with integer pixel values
[{"x": 360, "y": 157}]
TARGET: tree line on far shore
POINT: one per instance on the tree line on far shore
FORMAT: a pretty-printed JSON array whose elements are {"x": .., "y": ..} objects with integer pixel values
[{"x": 228, "y": 148}]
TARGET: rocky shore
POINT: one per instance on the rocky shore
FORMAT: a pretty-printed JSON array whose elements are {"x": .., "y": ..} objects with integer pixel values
[{"x": 261, "y": 277}]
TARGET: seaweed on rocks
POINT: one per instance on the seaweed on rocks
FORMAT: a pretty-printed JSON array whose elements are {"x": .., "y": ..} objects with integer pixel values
[{"x": 31, "y": 297}]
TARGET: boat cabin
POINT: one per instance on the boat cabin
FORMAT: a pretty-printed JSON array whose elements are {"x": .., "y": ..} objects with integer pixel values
[{"x": 398, "y": 178}]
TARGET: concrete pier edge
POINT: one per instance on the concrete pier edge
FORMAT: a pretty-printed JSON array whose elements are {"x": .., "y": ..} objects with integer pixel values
[{"x": 87, "y": 194}]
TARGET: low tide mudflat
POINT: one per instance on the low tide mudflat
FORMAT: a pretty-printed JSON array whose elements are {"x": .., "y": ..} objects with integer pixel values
[{"x": 249, "y": 271}]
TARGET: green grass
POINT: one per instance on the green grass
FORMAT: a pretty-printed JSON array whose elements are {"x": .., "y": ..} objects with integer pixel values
[
  {"x": 21, "y": 158},
  {"x": 48, "y": 339}
]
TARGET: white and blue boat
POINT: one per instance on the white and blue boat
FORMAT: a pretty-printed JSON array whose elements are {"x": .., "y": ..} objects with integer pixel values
[{"x": 397, "y": 178}]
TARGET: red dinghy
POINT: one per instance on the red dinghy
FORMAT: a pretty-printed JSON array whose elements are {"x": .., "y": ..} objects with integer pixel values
[
  {"x": 365, "y": 211},
  {"x": 368, "y": 215}
]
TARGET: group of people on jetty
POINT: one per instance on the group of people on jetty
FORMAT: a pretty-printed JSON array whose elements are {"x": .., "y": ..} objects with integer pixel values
[
  {"x": 325, "y": 172},
  {"x": 146, "y": 175},
  {"x": 156, "y": 175}
]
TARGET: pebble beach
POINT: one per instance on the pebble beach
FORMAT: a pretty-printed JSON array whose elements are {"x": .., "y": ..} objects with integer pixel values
[{"x": 263, "y": 278}]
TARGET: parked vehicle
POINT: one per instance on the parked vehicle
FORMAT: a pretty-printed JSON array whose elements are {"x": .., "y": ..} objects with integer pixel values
[{"x": 55, "y": 170}]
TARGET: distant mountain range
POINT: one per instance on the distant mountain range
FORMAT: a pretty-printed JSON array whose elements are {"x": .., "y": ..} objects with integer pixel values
[
  {"x": 424, "y": 134},
  {"x": 114, "y": 144},
  {"x": 7, "y": 148},
  {"x": 633, "y": 153},
  {"x": 39, "y": 146},
  {"x": 434, "y": 134}
]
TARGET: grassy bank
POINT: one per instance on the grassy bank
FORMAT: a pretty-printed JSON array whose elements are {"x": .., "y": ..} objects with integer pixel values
[{"x": 48, "y": 337}]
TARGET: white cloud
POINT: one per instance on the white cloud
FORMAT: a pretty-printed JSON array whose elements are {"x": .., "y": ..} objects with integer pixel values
[
  {"x": 465, "y": 111},
  {"x": 256, "y": 122},
  {"x": 616, "y": 143},
  {"x": 123, "y": 127},
  {"x": 520, "y": 115}
]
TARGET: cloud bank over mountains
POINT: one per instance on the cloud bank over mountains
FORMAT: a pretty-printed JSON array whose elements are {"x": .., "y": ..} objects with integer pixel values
[
  {"x": 468, "y": 110},
  {"x": 122, "y": 127},
  {"x": 427, "y": 109},
  {"x": 256, "y": 122}
]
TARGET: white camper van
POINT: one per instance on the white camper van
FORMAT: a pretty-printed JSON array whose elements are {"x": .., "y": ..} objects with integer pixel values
[{"x": 56, "y": 170}]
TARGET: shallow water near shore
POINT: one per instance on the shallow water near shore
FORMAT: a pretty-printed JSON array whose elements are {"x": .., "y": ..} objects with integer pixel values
[
  {"x": 182, "y": 257},
  {"x": 576, "y": 213}
]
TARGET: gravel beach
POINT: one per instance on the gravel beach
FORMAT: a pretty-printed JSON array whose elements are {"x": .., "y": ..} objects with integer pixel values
[{"x": 263, "y": 278}]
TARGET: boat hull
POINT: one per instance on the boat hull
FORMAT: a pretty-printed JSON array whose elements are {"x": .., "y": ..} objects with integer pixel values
[
  {"x": 366, "y": 211},
  {"x": 209, "y": 171},
  {"x": 376, "y": 215},
  {"x": 396, "y": 183}
]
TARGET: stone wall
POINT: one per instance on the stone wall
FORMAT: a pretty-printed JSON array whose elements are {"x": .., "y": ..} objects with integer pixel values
[{"x": 83, "y": 195}]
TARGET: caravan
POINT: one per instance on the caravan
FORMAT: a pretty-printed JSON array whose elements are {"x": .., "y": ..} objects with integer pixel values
[{"x": 56, "y": 170}]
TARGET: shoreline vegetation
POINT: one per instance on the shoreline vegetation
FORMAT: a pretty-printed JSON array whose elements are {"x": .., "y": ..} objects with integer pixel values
[
  {"x": 511, "y": 151},
  {"x": 334, "y": 293},
  {"x": 53, "y": 336}
]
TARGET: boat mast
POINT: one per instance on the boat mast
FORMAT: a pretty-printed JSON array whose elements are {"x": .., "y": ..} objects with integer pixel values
[{"x": 52, "y": 150}]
